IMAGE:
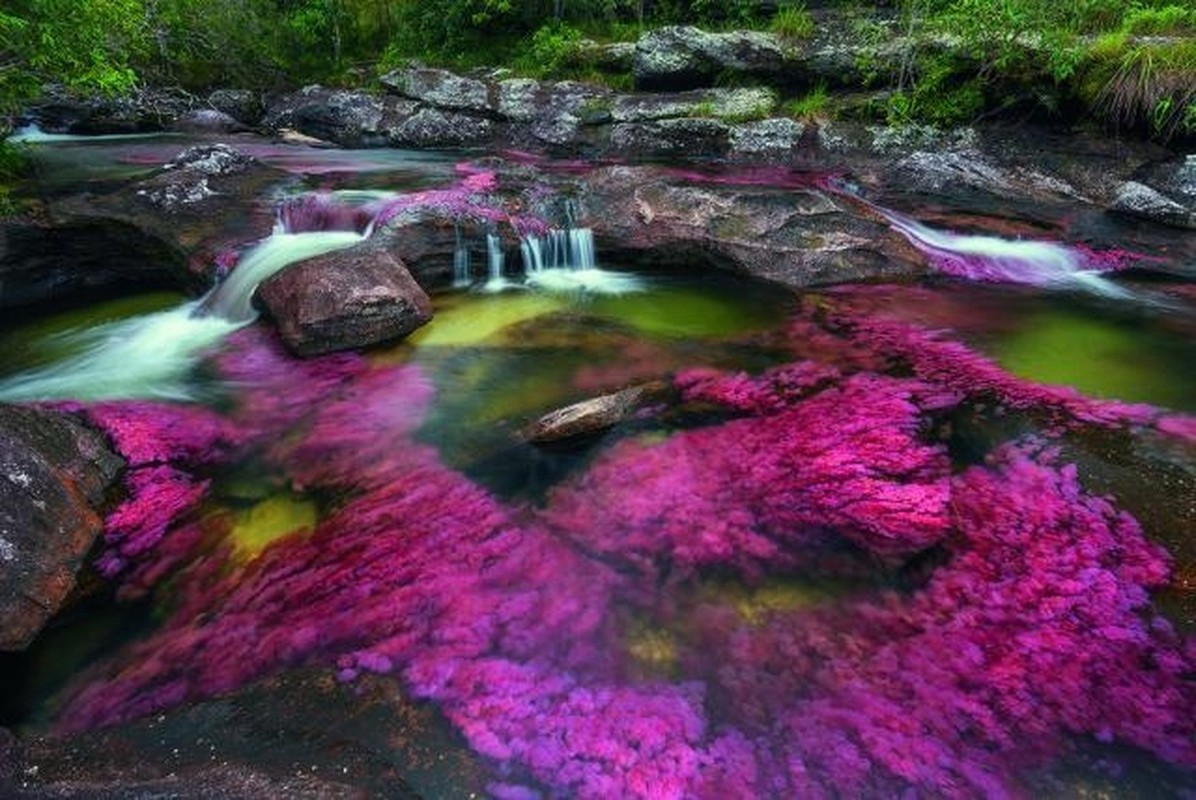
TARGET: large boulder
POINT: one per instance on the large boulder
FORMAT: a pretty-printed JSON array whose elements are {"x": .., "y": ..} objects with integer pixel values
[
  {"x": 732, "y": 104},
  {"x": 797, "y": 236},
  {"x": 1136, "y": 199},
  {"x": 435, "y": 127},
  {"x": 684, "y": 57},
  {"x": 344, "y": 300},
  {"x": 167, "y": 229},
  {"x": 775, "y": 138},
  {"x": 44, "y": 262},
  {"x": 441, "y": 89},
  {"x": 62, "y": 111},
  {"x": 54, "y": 477},
  {"x": 349, "y": 118},
  {"x": 685, "y": 136}
]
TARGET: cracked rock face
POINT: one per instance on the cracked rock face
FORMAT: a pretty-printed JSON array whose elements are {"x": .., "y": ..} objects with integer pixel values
[{"x": 54, "y": 475}]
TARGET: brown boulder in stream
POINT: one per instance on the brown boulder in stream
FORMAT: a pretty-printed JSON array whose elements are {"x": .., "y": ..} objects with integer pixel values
[
  {"x": 344, "y": 300},
  {"x": 593, "y": 415},
  {"x": 54, "y": 475}
]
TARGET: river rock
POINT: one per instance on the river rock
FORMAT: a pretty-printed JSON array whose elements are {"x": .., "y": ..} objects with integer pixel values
[
  {"x": 344, "y": 300},
  {"x": 684, "y": 57},
  {"x": 242, "y": 105},
  {"x": 440, "y": 88},
  {"x": 433, "y": 128},
  {"x": 207, "y": 120},
  {"x": 168, "y": 229},
  {"x": 776, "y": 138},
  {"x": 296, "y": 735},
  {"x": 46, "y": 262},
  {"x": 143, "y": 110},
  {"x": 795, "y": 236},
  {"x": 349, "y": 118},
  {"x": 54, "y": 477},
  {"x": 1136, "y": 199},
  {"x": 568, "y": 110},
  {"x": 594, "y": 415},
  {"x": 685, "y": 136}
]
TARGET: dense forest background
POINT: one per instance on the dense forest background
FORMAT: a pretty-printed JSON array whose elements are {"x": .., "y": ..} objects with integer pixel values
[{"x": 1133, "y": 62}]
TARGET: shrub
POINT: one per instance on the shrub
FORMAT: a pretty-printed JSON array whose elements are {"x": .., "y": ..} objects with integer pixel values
[
  {"x": 812, "y": 105},
  {"x": 793, "y": 22}
]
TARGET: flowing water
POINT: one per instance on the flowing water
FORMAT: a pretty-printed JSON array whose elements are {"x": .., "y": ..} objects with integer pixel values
[{"x": 868, "y": 541}]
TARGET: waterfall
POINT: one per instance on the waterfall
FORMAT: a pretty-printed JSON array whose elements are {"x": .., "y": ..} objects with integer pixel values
[
  {"x": 532, "y": 250},
  {"x": 996, "y": 260},
  {"x": 153, "y": 355},
  {"x": 232, "y": 299},
  {"x": 581, "y": 249},
  {"x": 496, "y": 261},
  {"x": 462, "y": 269}
]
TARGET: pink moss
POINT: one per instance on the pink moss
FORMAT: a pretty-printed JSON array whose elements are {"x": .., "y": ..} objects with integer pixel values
[
  {"x": 763, "y": 490},
  {"x": 1033, "y": 635}
]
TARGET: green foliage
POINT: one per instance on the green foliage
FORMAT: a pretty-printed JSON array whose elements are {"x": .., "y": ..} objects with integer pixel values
[
  {"x": 793, "y": 22},
  {"x": 1161, "y": 21},
  {"x": 1147, "y": 84},
  {"x": 553, "y": 51},
  {"x": 87, "y": 46},
  {"x": 12, "y": 167},
  {"x": 813, "y": 105}
]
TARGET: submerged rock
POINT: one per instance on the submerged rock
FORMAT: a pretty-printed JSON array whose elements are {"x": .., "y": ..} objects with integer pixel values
[
  {"x": 297, "y": 735},
  {"x": 344, "y": 300},
  {"x": 595, "y": 415},
  {"x": 54, "y": 475}
]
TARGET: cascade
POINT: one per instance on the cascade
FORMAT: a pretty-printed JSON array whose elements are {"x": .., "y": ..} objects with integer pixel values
[
  {"x": 995, "y": 260},
  {"x": 495, "y": 260},
  {"x": 152, "y": 355},
  {"x": 232, "y": 299},
  {"x": 461, "y": 263}
]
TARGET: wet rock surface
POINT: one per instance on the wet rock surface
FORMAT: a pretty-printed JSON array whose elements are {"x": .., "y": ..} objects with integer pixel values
[
  {"x": 172, "y": 225},
  {"x": 54, "y": 477},
  {"x": 349, "y": 118},
  {"x": 595, "y": 415},
  {"x": 796, "y": 236},
  {"x": 43, "y": 262},
  {"x": 344, "y": 300},
  {"x": 683, "y": 57},
  {"x": 61, "y": 111},
  {"x": 1136, "y": 199},
  {"x": 297, "y": 735}
]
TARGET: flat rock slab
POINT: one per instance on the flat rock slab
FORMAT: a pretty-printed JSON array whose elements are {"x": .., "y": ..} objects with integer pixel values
[
  {"x": 594, "y": 415},
  {"x": 54, "y": 475},
  {"x": 295, "y": 735},
  {"x": 344, "y": 301}
]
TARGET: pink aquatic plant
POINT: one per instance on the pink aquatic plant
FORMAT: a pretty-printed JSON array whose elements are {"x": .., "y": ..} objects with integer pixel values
[
  {"x": 849, "y": 460},
  {"x": 1031, "y": 633}
]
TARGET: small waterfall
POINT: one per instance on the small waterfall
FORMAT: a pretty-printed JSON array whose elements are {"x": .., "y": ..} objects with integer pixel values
[
  {"x": 153, "y": 355},
  {"x": 146, "y": 356},
  {"x": 996, "y": 260},
  {"x": 232, "y": 299},
  {"x": 462, "y": 269},
  {"x": 581, "y": 249},
  {"x": 496, "y": 262},
  {"x": 532, "y": 250}
]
